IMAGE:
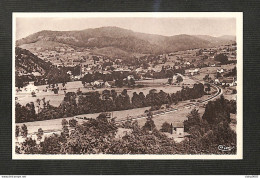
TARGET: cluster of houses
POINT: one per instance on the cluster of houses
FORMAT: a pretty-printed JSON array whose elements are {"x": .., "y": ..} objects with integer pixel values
[
  {"x": 193, "y": 72},
  {"x": 229, "y": 81},
  {"x": 98, "y": 84},
  {"x": 225, "y": 81},
  {"x": 29, "y": 88}
]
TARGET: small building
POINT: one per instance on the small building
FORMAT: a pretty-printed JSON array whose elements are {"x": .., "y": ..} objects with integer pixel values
[
  {"x": 229, "y": 82},
  {"x": 178, "y": 129},
  {"x": 30, "y": 88},
  {"x": 107, "y": 84},
  {"x": 220, "y": 71},
  {"x": 69, "y": 72},
  {"x": 194, "y": 72},
  {"x": 36, "y": 74},
  {"x": 129, "y": 77},
  {"x": 98, "y": 83},
  {"x": 217, "y": 81},
  {"x": 187, "y": 63}
]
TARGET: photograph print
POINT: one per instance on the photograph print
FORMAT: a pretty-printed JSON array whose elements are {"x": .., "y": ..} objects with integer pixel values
[{"x": 127, "y": 86}]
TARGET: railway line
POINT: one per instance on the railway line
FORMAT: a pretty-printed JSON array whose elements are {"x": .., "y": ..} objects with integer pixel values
[{"x": 218, "y": 93}]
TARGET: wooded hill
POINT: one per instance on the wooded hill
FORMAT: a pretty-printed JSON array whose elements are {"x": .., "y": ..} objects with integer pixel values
[
  {"x": 26, "y": 62},
  {"x": 124, "y": 40}
]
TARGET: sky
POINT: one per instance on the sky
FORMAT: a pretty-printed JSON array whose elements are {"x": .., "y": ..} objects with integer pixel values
[{"x": 212, "y": 26}]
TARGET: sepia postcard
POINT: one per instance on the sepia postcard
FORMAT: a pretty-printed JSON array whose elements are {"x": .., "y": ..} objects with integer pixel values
[{"x": 157, "y": 85}]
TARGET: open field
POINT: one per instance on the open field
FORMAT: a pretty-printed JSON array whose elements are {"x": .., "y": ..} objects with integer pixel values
[
  {"x": 176, "y": 116},
  {"x": 55, "y": 124},
  {"x": 212, "y": 71},
  {"x": 56, "y": 99},
  {"x": 47, "y": 125}
]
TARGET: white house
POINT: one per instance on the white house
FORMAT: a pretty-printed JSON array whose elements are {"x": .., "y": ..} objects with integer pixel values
[
  {"x": 187, "y": 63},
  {"x": 30, "y": 87},
  {"x": 129, "y": 77},
  {"x": 107, "y": 84},
  {"x": 217, "y": 81},
  {"x": 220, "y": 70},
  {"x": 194, "y": 72},
  {"x": 229, "y": 82},
  {"x": 178, "y": 128}
]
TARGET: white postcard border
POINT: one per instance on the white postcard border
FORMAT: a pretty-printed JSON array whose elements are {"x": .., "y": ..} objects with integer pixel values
[{"x": 239, "y": 39}]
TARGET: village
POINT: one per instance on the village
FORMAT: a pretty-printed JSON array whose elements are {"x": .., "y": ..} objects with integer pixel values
[
  {"x": 88, "y": 63},
  {"x": 197, "y": 65},
  {"x": 116, "y": 90}
]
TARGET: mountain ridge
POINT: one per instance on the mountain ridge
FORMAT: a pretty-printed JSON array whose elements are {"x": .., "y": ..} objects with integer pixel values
[{"x": 125, "y": 40}]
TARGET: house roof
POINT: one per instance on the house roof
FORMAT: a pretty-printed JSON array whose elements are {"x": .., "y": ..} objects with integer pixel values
[{"x": 178, "y": 124}]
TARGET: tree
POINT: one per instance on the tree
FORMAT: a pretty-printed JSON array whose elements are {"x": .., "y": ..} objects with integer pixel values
[
  {"x": 113, "y": 94},
  {"x": 73, "y": 122},
  {"x": 179, "y": 79},
  {"x": 166, "y": 127},
  {"x": 106, "y": 94},
  {"x": 149, "y": 124},
  {"x": 65, "y": 131},
  {"x": 88, "y": 78},
  {"x": 17, "y": 131},
  {"x": 33, "y": 94},
  {"x": 218, "y": 75},
  {"x": 170, "y": 81},
  {"x": 39, "y": 134},
  {"x": 19, "y": 82},
  {"x": 193, "y": 119},
  {"x": 64, "y": 122},
  {"x": 222, "y": 58},
  {"x": 29, "y": 146},
  {"x": 38, "y": 101},
  {"x": 145, "y": 65},
  {"x": 206, "y": 78},
  {"x": 217, "y": 111},
  {"x": 24, "y": 131},
  {"x": 207, "y": 87},
  {"x": 24, "y": 113},
  {"x": 119, "y": 83},
  {"x": 52, "y": 144},
  {"x": 44, "y": 102},
  {"x": 63, "y": 84},
  {"x": 131, "y": 82},
  {"x": 137, "y": 101}
]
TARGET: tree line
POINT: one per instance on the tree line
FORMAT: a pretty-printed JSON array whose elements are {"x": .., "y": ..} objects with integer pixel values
[{"x": 109, "y": 100}]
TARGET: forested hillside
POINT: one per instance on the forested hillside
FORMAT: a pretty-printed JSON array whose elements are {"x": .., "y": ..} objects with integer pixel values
[
  {"x": 26, "y": 62},
  {"x": 123, "y": 40}
]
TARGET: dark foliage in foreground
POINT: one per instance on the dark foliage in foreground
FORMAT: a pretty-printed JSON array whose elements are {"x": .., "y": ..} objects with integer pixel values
[
  {"x": 99, "y": 136},
  {"x": 212, "y": 129}
]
